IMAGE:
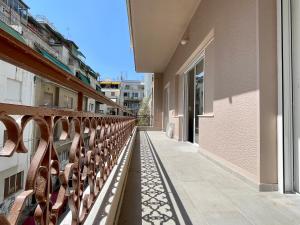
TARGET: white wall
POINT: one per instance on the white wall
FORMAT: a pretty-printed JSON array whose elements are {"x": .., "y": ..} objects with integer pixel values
[{"x": 16, "y": 87}]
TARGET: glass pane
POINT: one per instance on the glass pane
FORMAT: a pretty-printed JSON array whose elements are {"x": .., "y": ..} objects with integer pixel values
[
  {"x": 199, "y": 96},
  {"x": 12, "y": 184},
  {"x": 19, "y": 181},
  {"x": 191, "y": 104},
  {"x": 200, "y": 67}
]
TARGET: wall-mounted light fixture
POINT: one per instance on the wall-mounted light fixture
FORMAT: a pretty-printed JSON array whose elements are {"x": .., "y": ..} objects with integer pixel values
[{"x": 185, "y": 39}]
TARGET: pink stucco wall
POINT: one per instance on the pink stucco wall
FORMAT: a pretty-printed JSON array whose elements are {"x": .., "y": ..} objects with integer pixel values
[{"x": 240, "y": 79}]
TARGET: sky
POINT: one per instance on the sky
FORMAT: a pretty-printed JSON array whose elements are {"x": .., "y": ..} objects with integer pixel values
[{"x": 98, "y": 27}]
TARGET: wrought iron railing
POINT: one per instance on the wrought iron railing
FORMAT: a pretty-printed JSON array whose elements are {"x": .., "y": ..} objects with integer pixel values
[{"x": 89, "y": 163}]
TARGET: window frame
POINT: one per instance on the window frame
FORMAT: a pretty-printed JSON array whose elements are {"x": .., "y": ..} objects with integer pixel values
[{"x": 12, "y": 184}]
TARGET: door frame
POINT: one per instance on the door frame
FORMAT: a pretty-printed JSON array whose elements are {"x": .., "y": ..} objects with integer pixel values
[
  {"x": 285, "y": 137},
  {"x": 191, "y": 60},
  {"x": 166, "y": 90},
  {"x": 203, "y": 98},
  {"x": 200, "y": 56}
]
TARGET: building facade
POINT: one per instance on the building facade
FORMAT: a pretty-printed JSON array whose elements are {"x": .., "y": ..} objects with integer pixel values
[
  {"x": 16, "y": 88},
  {"x": 132, "y": 94},
  {"x": 19, "y": 86},
  {"x": 215, "y": 79},
  {"x": 112, "y": 90}
]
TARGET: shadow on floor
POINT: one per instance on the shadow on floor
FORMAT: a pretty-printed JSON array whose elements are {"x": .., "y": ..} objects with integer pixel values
[{"x": 150, "y": 197}]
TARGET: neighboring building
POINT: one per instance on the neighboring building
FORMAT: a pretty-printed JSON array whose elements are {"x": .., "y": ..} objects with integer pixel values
[
  {"x": 16, "y": 87},
  {"x": 110, "y": 89},
  {"x": 148, "y": 84},
  {"x": 14, "y": 13},
  {"x": 132, "y": 94},
  {"x": 66, "y": 55},
  {"x": 23, "y": 87},
  {"x": 215, "y": 81},
  {"x": 89, "y": 77}
]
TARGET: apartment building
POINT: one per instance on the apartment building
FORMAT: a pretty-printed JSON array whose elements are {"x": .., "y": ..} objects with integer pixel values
[
  {"x": 132, "y": 94},
  {"x": 89, "y": 77},
  {"x": 19, "y": 86},
  {"x": 16, "y": 87},
  {"x": 112, "y": 90}
]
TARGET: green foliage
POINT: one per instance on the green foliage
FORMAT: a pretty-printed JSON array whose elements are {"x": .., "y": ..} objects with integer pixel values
[{"x": 144, "y": 112}]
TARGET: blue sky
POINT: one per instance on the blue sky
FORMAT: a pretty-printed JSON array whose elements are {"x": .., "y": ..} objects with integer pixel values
[{"x": 98, "y": 27}]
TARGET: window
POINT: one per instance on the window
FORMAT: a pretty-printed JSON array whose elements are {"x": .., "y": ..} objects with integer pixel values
[
  {"x": 19, "y": 181},
  {"x": 13, "y": 184},
  {"x": 64, "y": 156},
  {"x": 113, "y": 94},
  {"x": 48, "y": 99},
  {"x": 199, "y": 103},
  {"x": 125, "y": 94},
  {"x": 195, "y": 77},
  {"x": 13, "y": 90},
  {"x": 91, "y": 107},
  {"x": 68, "y": 102}
]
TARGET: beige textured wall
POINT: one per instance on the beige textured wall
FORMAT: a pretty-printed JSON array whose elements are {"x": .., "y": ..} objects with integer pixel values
[
  {"x": 240, "y": 98},
  {"x": 268, "y": 90}
]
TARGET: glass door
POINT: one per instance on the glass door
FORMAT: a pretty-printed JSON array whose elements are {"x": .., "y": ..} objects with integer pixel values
[{"x": 195, "y": 100}]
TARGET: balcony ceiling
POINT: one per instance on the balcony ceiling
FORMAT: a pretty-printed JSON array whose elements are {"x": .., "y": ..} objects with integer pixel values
[{"x": 157, "y": 27}]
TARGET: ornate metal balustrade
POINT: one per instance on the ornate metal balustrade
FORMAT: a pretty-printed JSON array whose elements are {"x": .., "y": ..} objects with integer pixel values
[{"x": 89, "y": 163}]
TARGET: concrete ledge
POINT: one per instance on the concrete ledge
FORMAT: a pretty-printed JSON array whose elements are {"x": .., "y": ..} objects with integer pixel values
[{"x": 106, "y": 208}]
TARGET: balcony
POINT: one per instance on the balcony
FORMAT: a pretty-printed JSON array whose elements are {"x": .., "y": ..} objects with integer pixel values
[
  {"x": 115, "y": 172},
  {"x": 170, "y": 182},
  {"x": 167, "y": 183},
  {"x": 54, "y": 189}
]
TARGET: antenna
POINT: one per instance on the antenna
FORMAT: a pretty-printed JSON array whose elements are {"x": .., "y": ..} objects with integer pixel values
[{"x": 68, "y": 33}]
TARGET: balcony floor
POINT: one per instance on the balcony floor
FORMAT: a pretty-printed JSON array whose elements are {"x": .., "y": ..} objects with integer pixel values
[{"x": 170, "y": 183}]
